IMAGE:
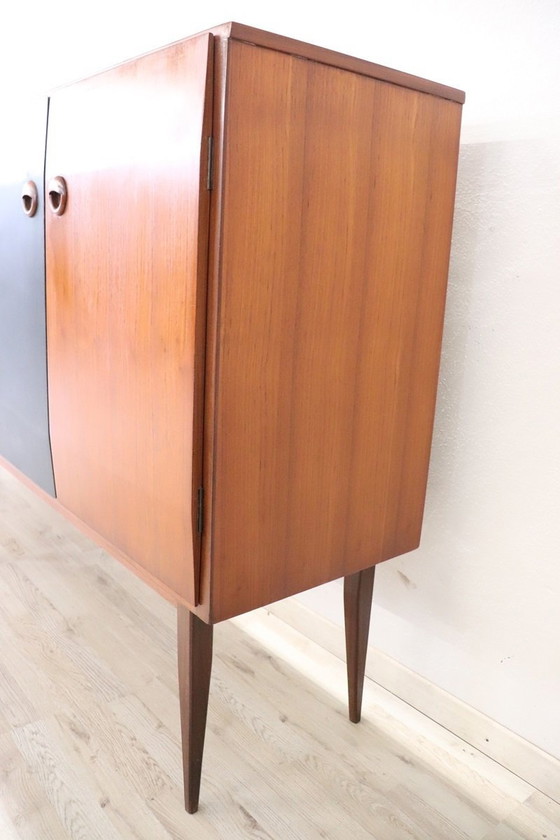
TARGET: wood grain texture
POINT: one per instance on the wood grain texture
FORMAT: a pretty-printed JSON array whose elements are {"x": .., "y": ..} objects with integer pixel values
[
  {"x": 281, "y": 760},
  {"x": 195, "y": 666},
  {"x": 203, "y": 610},
  {"x": 291, "y": 46},
  {"x": 337, "y": 204},
  {"x": 126, "y": 267},
  {"x": 358, "y": 592}
]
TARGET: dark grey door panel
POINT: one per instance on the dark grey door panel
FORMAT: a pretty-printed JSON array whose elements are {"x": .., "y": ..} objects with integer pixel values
[{"x": 24, "y": 430}]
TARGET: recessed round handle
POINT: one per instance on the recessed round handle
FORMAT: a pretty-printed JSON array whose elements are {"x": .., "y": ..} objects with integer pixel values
[
  {"x": 30, "y": 198},
  {"x": 58, "y": 195}
]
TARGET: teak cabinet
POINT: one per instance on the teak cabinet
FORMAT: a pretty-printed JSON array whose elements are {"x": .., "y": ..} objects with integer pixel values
[{"x": 247, "y": 246}]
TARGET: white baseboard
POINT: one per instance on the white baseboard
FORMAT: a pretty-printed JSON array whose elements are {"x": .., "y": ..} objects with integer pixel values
[{"x": 529, "y": 762}]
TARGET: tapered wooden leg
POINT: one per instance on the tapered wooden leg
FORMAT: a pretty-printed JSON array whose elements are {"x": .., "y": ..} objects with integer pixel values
[
  {"x": 194, "y": 643},
  {"x": 358, "y": 592}
]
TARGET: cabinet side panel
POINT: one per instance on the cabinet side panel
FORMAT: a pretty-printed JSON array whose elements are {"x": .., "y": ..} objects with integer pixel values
[
  {"x": 420, "y": 358},
  {"x": 24, "y": 432},
  {"x": 337, "y": 207},
  {"x": 126, "y": 270}
]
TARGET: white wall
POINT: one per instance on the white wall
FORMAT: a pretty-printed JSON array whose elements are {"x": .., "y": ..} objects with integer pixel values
[{"x": 475, "y": 610}]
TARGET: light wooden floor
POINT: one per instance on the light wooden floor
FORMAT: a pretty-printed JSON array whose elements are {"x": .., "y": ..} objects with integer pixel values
[{"x": 89, "y": 723}]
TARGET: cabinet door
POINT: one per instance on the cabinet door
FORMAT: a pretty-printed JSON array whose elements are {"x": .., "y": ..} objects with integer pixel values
[
  {"x": 126, "y": 279},
  {"x": 24, "y": 432}
]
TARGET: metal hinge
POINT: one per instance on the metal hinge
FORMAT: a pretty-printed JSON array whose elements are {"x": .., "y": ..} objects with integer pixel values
[
  {"x": 210, "y": 164},
  {"x": 200, "y": 511}
]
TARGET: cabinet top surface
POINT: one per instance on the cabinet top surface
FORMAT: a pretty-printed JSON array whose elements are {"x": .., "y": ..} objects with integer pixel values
[
  {"x": 260, "y": 37},
  {"x": 311, "y": 52}
]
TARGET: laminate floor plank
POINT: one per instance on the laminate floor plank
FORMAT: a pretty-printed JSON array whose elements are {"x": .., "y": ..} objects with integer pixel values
[
  {"x": 503, "y": 832},
  {"x": 66, "y": 666},
  {"x": 254, "y": 803},
  {"x": 302, "y": 735},
  {"x": 403, "y": 755},
  {"x": 168, "y": 809},
  {"x": 545, "y": 806},
  {"x": 84, "y": 604},
  {"x": 25, "y": 813},
  {"x": 230, "y": 743},
  {"x": 25, "y": 691},
  {"x": 159, "y": 609},
  {"x": 90, "y": 728},
  {"x": 125, "y": 807},
  {"x": 119, "y": 746},
  {"x": 156, "y": 739},
  {"x": 404, "y": 725},
  {"x": 65, "y": 784},
  {"x": 22, "y": 598},
  {"x": 254, "y": 747},
  {"x": 94, "y": 590},
  {"x": 537, "y": 818}
]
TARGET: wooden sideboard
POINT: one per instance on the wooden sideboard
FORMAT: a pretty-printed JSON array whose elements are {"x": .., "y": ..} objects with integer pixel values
[{"x": 232, "y": 383}]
